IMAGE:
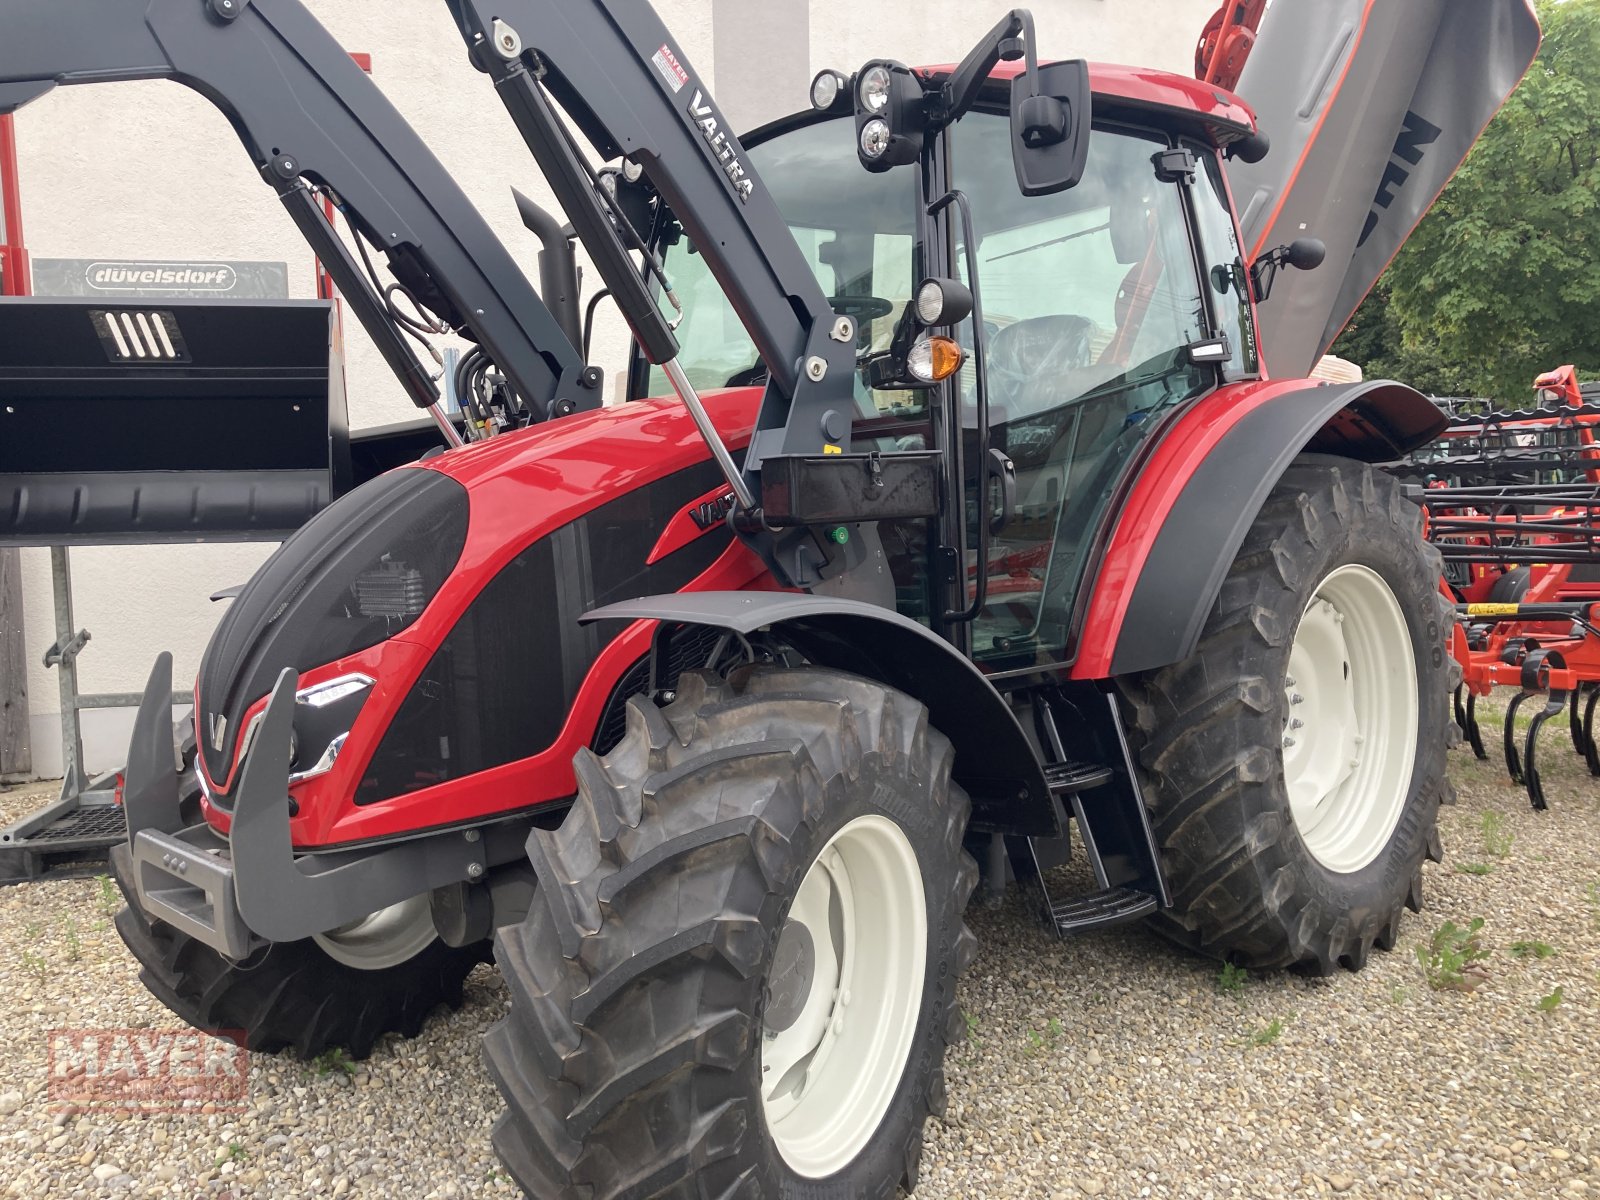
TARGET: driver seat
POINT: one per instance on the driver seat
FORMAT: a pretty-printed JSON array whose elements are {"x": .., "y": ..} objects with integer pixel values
[{"x": 1031, "y": 363}]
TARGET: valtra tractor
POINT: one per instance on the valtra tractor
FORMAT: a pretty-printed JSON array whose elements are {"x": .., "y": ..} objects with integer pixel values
[{"x": 975, "y": 518}]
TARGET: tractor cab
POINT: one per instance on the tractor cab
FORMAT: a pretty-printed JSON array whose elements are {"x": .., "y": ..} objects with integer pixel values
[{"x": 1089, "y": 314}]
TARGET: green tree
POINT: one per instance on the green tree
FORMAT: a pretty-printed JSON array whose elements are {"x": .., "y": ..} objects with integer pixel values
[{"x": 1502, "y": 279}]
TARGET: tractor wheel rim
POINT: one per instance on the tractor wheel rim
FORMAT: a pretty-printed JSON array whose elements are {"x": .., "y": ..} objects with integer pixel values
[
  {"x": 853, "y": 955},
  {"x": 1349, "y": 741},
  {"x": 382, "y": 939}
]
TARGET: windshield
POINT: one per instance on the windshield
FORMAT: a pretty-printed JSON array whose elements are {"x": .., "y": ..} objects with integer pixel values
[
  {"x": 1090, "y": 301},
  {"x": 857, "y": 232}
]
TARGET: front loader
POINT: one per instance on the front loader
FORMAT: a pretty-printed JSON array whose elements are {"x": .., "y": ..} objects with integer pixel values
[{"x": 974, "y": 518}]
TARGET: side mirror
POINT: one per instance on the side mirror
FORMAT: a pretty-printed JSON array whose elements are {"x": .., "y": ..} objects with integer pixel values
[
  {"x": 1050, "y": 113},
  {"x": 1306, "y": 254},
  {"x": 1250, "y": 149},
  {"x": 1303, "y": 254}
]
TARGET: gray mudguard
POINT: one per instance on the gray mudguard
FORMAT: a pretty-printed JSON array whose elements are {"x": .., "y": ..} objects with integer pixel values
[{"x": 995, "y": 760}]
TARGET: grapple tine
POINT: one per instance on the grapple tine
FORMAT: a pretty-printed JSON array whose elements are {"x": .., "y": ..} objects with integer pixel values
[
  {"x": 1460, "y": 708},
  {"x": 1575, "y": 724}
]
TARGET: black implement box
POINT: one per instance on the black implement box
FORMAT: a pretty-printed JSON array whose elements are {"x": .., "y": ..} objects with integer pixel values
[
  {"x": 836, "y": 489},
  {"x": 167, "y": 420}
]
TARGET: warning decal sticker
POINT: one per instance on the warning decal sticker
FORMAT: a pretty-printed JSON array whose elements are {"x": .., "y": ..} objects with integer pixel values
[{"x": 671, "y": 69}]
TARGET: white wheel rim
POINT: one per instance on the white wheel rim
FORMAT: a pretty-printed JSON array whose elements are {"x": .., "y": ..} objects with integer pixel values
[
  {"x": 829, "y": 1075},
  {"x": 1349, "y": 743},
  {"x": 382, "y": 939}
]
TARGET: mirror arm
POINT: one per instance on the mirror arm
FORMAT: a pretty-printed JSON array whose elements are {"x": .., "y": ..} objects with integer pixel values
[{"x": 960, "y": 91}]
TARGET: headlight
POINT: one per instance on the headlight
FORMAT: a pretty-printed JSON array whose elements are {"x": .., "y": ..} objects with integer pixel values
[
  {"x": 874, "y": 88},
  {"x": 320, "y": 695},
  {"x": 875, "y": 137}
]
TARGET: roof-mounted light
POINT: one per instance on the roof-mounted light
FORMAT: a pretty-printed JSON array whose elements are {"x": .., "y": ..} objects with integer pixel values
[
  {"x": 828, "y": 89},
  {"x": 873, "y": 89},
  {"x": 890, "y": 114},
  {"x": 875, "y": 138}
]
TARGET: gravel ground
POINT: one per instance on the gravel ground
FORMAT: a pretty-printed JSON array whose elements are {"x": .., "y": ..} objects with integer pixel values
[{"x": 1112, "y": 1065}]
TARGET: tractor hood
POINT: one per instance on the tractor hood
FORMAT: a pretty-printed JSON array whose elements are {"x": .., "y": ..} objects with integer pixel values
[{"x": 1370, "y": 106}]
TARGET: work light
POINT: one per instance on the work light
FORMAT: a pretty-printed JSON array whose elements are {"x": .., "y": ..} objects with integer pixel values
[
  {"x": 827, "y": 89},
  {"x": 943, "y": 302},
  {"x": 890, "y": 116},
  {"x": 875, "y": 138},
  {"x": 874, "y": 88}
]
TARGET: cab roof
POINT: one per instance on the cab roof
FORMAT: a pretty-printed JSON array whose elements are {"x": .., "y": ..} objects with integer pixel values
[{"x": 1187, "y": 104}]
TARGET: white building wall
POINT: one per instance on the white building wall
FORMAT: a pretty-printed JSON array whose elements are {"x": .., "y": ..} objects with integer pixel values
[{"x": 152, "y": 171}]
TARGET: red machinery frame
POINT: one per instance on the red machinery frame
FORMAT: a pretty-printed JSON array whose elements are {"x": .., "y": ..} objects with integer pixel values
[
  {"x": 1542, "y": 636},
  {"x": 15, "y": 276}
]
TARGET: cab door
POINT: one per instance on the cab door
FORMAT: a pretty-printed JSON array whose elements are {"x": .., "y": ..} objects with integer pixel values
[{"x": 1092, "y": 299}]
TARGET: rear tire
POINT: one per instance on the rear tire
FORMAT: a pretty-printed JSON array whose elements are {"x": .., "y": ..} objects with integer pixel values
[
  {"x": 1294, "y": 815},
  {"x": 648, "y": 979}
]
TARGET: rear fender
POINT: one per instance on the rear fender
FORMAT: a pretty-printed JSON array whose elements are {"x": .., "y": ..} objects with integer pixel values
[
  {"x": 995, "y": 761},
  {"x": 1200, "y": 491}
]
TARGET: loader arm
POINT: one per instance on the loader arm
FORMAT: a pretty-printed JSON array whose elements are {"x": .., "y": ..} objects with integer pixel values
[
  {"x": 310, "y": 117},
  {"x": 617, "y": 71}
]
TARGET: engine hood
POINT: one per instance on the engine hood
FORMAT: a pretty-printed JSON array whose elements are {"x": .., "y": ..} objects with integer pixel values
[{"x": 1371, "y": 106}]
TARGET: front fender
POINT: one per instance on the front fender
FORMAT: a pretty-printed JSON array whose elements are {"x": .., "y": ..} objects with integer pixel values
[
  {"x": 1187, "y": 513},
  {"x": 994, "y": 759}
]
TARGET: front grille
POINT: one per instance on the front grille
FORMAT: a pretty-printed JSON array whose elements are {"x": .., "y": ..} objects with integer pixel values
[{"x": 690, "y": 649}]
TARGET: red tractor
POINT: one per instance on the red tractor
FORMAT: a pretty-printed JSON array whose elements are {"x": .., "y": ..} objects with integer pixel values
[{"x": 976, "y": 518}]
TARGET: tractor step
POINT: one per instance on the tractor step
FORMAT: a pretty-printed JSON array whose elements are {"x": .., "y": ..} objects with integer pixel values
[
  {"x": 1114, "y": 906},
  {"x": 1065, "y": 778},
  {"x": 75, "y": 839}
]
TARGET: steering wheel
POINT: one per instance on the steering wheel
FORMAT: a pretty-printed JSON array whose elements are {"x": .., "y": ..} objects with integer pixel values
[{"x": 861, "y": 308}]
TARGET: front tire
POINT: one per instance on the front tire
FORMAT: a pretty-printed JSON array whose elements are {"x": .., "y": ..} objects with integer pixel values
[
  {"x": 741, "y": 978},
  {"x": 1294, "y": 763},
  {"x": 339, "y": 990}
]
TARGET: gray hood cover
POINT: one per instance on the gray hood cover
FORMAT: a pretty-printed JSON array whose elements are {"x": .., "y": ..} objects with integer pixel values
[{"x": 1370, "y": 105}]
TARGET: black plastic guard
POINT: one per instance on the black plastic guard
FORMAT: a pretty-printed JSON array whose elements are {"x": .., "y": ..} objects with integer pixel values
[{"x": 995, "y": 760}]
